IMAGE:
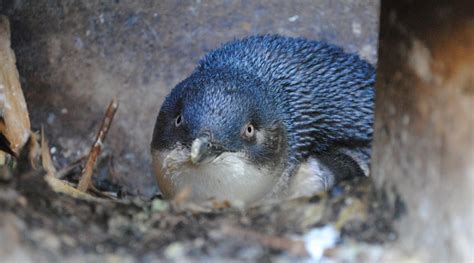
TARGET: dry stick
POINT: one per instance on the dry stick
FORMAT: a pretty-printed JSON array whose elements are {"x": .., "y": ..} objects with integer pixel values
[
  {"x": 46, "y": 159},
  {"x": 97, "y": 146},
  {"x": 71, "y": 166}
]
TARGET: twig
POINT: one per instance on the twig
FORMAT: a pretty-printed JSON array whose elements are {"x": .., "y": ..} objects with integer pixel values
[
  {"x": 56, "y": 184},
  {"x": 102, "y": 194},
  {"x": 97, "y": 146},
  {"x": 295, "y": 247},
  {"x": 46, "y": 159},
  {"x": 33, "y": 150},
  {"x": 60, "y": 186},
  {"x": 71, "y": 166}
]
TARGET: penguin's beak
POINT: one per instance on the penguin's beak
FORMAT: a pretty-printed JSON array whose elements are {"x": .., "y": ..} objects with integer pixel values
[
  {"x": 203, "y": 149},
  {"x": 200, "y": 149}
]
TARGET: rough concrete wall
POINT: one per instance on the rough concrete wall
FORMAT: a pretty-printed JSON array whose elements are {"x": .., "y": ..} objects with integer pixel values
[
  {"x": 74, "y": 56},
  {"x": 424, "y": 128}
]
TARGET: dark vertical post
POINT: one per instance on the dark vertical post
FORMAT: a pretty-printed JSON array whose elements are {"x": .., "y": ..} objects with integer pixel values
[{"x": 424, "y": 128}]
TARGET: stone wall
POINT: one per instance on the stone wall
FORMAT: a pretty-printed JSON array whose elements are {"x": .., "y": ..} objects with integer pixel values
[{"x": 423, "y": 155}]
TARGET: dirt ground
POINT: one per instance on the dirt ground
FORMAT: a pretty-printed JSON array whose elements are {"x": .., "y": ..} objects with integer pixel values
[{"x": 39, "y": 225}]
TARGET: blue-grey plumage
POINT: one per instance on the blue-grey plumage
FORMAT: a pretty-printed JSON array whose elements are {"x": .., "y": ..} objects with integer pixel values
[{"x": 266, "y": 117}]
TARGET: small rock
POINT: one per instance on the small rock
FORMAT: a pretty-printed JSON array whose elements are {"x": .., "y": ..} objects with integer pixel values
[
  {"x": 318, "y": 240},
  {"x": 293, "y": 18},
  {"x": 175, "y": 250},
  {"x": 68, "y": 240},
  {"x": 46, "y": 239},
  {"x": 356, "y": 28},
  {"x": 159, "y": 205}
]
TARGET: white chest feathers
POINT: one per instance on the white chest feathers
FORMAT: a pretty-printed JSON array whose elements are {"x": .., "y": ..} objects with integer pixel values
[{"x": 231, "y": 176}]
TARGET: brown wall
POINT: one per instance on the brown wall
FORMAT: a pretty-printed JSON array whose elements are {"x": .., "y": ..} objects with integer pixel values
[{"x": 424, "y": 128}]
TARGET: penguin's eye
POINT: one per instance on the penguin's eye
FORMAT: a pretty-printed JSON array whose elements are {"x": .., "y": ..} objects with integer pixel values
[
  {"x": 248, "y": 131},
  {"x": 178, "y": 120}
]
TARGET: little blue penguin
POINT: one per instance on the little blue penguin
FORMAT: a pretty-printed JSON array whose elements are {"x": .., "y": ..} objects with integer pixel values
[{"x": 266, "y": 118}]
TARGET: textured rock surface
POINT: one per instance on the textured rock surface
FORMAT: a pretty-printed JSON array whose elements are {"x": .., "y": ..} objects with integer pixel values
[
  {"x": 424, "y": 128},
  {"x": 74, "y": 56}
]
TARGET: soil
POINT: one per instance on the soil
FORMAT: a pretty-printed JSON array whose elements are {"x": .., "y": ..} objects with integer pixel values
[{"x": 44, "y": 226}]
